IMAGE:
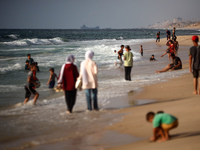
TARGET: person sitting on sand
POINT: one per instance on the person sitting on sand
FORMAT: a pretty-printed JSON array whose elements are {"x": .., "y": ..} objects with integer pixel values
[
  {"x": 152, "y": 58},
  {"x": 162, "y": 124},
  {"x": 171, "y": 49},
  {"x": 194, "y": 62},
  {"x": 176, "y": 64}
]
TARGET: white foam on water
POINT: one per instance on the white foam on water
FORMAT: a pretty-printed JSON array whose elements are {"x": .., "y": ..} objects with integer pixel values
[
  {"x": 13, "y": 36},
  {"x": 14, "y": 67},
  {"x": 35, "y": 41}
]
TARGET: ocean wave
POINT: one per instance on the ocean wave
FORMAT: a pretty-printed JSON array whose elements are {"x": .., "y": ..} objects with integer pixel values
[
  {"x": 16, "y": 66},
  {"x": 13, "y": 36},
  {"x": 35, "y": 41}
]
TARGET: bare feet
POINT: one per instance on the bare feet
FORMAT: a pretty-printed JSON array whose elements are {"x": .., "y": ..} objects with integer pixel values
[
  {"x": 157, "y": 71},
  {"x": 162, "y": 140},
  {"x": 68, "y": 112},
  {"x": 195, "y": 92}
]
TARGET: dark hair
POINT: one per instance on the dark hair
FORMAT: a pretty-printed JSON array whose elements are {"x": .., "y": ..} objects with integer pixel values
[
  {"x": 149, "y": 115},
  {"x": 160, "y": 112},
  {"x": 27, "y": 61},
  {"x": 141, "y": 45},
  {"x": 32, "y": 65},
  {"x": 28, "y": 54},
  {"x": 122, "y": 45},
  {"x": 128, "y": 47},
  {"x": 152, "y": 55},
  {"x": 172, "y": 54},
  {"x": 114, "y": 50},
  {"x": 51, "y": 69},
  {"x": 171, "y": 41}
]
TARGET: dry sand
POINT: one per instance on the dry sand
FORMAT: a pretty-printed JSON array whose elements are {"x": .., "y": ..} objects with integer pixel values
[{"x": 174, "y": 97}]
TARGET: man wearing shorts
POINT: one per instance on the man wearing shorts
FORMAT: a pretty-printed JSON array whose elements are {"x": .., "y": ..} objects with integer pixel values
[
  {"x": 194, "y": 63},
  {"x": 29, "y": 87}
]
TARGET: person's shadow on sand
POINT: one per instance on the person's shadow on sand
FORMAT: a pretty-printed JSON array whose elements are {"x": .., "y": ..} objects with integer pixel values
[{"x": 185, "y": 135}]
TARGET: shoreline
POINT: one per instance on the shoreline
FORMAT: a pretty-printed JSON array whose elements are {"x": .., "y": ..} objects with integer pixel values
[
  {"x": 174, "y": 96},
  {"x": 129, "y": 100}
]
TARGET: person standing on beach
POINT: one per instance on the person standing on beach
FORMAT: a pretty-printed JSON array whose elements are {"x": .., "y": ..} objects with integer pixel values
[
  {"x": 67, "y": 79},
  {"x": 174, "y": 34},
  {"x": 176, "y": 45},
  {"x": 168, "y": 34},
  {"x": 141, "y": 50},
  {"x": 128, "y": 63},
  {"x": 170, "y": 50},
  {"x": 88, "y": 74},
  {"x": 158, "y": 37},
  {"x": 194, "y": 63},
  {"x": 120, "y": 53}
]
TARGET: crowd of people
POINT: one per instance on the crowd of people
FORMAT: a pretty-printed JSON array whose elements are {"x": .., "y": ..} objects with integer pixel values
[{"x": 69, "y": 75}]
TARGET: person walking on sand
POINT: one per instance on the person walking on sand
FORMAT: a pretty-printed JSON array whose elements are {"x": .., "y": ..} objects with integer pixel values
[
  {"x": 128, "y": 63},
  {"x": 88, "y": 74},
  {"x": 168, "y": 34},
  {"x": 141, "y": 50},
  {"x": 194, "y": 63},
  {"x": 174, "y": 34},
  {"x": 67, "y": 79},
  {"x": 158, "y": 37}
]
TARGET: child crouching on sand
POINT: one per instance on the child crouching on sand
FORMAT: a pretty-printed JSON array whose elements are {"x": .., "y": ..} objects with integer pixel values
[{"x": 162, "y": 123}]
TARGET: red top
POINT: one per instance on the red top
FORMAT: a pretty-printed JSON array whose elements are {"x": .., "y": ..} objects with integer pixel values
[
  {"x": 70, "y": 74},
  {"x": 171, "y": 48}
]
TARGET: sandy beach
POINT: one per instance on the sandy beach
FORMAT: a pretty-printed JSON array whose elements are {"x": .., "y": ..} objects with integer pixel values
[{"x": 174, "y": 97}]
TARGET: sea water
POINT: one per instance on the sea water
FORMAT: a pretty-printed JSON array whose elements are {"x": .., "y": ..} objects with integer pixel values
[{"x": 51, "y": 47}]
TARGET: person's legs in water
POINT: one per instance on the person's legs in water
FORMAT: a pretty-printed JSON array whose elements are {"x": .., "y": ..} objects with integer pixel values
[
  {"x": 27, "y": 94},
  {"x": 73, "y": 100},
  {"x": 68, "y": 101},
  {"x": 88, "y": 97},
  {"x": 129, "y": 73},
  {"x": 94, "y": 97},
  {"x": 126, "y": 73}
]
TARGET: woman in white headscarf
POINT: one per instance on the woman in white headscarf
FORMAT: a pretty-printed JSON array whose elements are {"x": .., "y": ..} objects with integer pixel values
[
  {"x": 88, "y": 74},
  {"x": 67, "y": 78}
]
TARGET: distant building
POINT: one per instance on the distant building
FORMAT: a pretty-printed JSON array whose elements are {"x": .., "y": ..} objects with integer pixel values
[{"x": 85, "y": 27}]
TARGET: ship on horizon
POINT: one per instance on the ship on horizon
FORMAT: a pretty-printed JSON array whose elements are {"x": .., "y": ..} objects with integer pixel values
[{"x": 85, "y": 27}]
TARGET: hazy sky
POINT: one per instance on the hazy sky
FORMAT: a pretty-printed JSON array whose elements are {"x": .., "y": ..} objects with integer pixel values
[{"x": 64, "y": 14}]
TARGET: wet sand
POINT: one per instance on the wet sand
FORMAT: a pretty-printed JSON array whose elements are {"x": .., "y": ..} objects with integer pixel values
[{"x": 174, "y": 97}]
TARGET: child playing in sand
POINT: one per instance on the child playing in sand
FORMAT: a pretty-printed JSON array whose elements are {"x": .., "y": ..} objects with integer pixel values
[
  {"x": 51, "y": 81},
  {"x": 29, "y": 87},
  {"x": 162, "y": 124},
  {"x": 194, "y": 62}
]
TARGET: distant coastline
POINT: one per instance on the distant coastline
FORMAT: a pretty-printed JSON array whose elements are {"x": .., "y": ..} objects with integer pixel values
[{"x": 179, "y": 23}]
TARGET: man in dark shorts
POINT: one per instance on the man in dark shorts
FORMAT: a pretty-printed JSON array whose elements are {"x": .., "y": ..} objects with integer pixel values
[
  {"x": 120, "y": 53},
  {"x": 176, "y": 64},
  {"x": 194, "y": 62},
  {"x": 29, "y": 87}
]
